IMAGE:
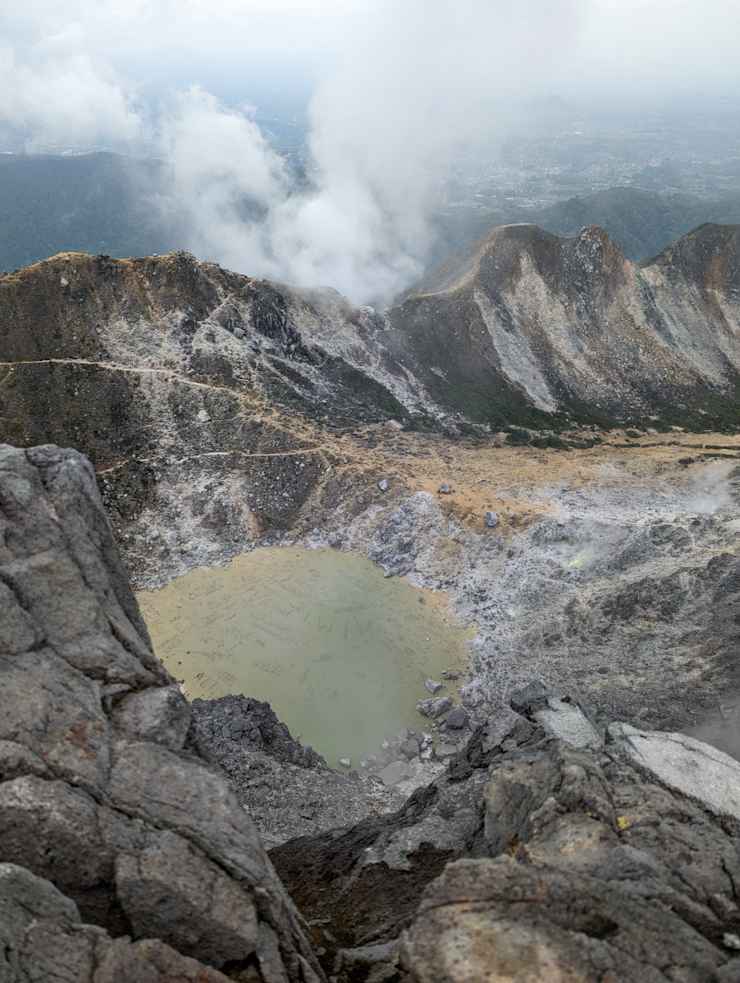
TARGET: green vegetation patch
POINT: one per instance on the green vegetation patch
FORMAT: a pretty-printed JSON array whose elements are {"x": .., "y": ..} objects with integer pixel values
[{"x": 365, "y": 390}]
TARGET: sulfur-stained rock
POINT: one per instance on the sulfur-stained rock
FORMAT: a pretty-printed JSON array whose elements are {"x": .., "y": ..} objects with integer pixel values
[{"x": 496, "y": 919}]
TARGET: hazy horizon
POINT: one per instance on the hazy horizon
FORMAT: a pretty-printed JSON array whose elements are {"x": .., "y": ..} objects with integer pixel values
[{"x": 380, "y": 97}]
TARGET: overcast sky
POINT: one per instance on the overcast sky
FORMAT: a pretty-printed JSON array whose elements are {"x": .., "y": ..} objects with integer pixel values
[
  {"x": 628, "y": 42},
  {"x": 56, "y": 74}
]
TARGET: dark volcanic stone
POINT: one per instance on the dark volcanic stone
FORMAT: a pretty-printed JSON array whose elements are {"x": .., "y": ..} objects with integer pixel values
[
  {"x": 457, "y": 718},
  {"x": 108, "y": 792}
]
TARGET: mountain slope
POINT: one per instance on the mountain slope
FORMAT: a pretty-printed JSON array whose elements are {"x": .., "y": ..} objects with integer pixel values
[
  {"x": 572, "y": 319},
  {"x": 222, "y": 412}
]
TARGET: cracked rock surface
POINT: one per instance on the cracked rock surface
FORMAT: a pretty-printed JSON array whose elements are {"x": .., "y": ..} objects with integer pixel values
[
  {"x": 549, "y": 849},
  {"x": 107, "y": 793},
  {"x": 536, "y": 857}
]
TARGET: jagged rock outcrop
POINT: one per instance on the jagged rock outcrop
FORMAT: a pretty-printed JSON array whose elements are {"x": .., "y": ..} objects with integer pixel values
[
  {"x": 43, "y": 938},
  {"x": 106, "y": 789},
  {"x": 206, "y": 445},
  {"x": 533, "y": 858},
  {"x": 100, "y": 354},
  {"x": 548, "y": 849},
  {"x": 211, "y": 403}
]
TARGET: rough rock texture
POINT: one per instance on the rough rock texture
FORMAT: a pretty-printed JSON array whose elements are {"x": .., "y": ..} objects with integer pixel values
[
  {"x": 286, "y": 788},
  {"x": 43, "y": 938},
  {"x": 107, "y": 791},
  {"x": 213, "y": 428},
  {"x": 532, "y": 858},
  {"x": 166, "y": 371},
  {"x": 604, "y": 591},
  {"x": 547, "y": 850},
  {"x": 573, "y": 318}
]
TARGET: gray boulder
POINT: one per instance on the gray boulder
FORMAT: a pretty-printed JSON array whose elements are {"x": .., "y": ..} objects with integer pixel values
[
  {"x": 42, "y": 937},
  {"x": 435, "y": 706},
  {"x": 457, "y": 718},
  {"x": 410, "y": 749},
  {"x": 689, "y": 767}
]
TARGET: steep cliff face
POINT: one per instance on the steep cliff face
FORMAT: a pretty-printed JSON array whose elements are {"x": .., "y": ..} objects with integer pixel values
[
  {"x": 564, "y": 319},
  {"x": 103, "y": 354},
  {"x": 106, "y": 790}
]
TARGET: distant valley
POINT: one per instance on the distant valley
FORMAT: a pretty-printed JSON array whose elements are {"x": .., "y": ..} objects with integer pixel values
[{"x": 113, "y": 204}]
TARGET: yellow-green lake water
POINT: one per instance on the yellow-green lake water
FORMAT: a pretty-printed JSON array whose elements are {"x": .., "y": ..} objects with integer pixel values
[{"x": 339, "y": 651}]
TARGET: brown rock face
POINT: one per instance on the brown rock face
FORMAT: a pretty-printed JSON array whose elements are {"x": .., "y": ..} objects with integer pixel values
[
  {"x": 106, "y": 792},
  {"x": 520, "y": 309},
  {"x": 493, "y": 919}
]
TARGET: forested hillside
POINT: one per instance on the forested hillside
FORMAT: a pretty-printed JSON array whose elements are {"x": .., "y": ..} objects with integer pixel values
[
  {"x": 91, "y": 203},
  {"x": 641, "y": 222}
]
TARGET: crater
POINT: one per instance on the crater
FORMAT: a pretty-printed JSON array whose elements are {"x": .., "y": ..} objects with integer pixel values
[{"x": 339, "y": 651}]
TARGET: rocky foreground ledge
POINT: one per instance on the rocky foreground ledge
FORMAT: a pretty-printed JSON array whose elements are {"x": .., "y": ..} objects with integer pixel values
[
  {"x": 114, "y": 824},
  {"x": 547, "y": 850}
]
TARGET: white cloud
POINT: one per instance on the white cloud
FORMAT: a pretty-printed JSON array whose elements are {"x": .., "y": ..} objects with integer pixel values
[{"x": 416, "y": 77}]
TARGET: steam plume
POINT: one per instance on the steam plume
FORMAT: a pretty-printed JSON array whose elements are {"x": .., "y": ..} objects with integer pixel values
[{"x": 419, "y": 79}]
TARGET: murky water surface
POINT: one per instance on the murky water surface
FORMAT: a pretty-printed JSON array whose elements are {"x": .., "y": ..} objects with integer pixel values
[{"x": 340, "y": 652}]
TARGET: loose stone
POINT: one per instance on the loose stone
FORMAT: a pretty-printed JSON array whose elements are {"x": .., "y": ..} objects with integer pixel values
[
  {"x": 410, "y": 749},
  {"x": 457, "y": 718},
  {"x": 434, "y": 707}
]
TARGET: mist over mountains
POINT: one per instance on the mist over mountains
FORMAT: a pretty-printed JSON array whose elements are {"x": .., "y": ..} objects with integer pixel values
[
  {"x": 314, "y": 156},
  {"x": 117, "y": 205}
]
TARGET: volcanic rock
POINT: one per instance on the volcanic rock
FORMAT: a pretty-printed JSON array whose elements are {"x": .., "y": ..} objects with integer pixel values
[
  {"x": 435, "y": 706},
  {"x": 457, "y": 718},
  {"x": 530, "y": 853},
  {"x": 108, "y": 791}
]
